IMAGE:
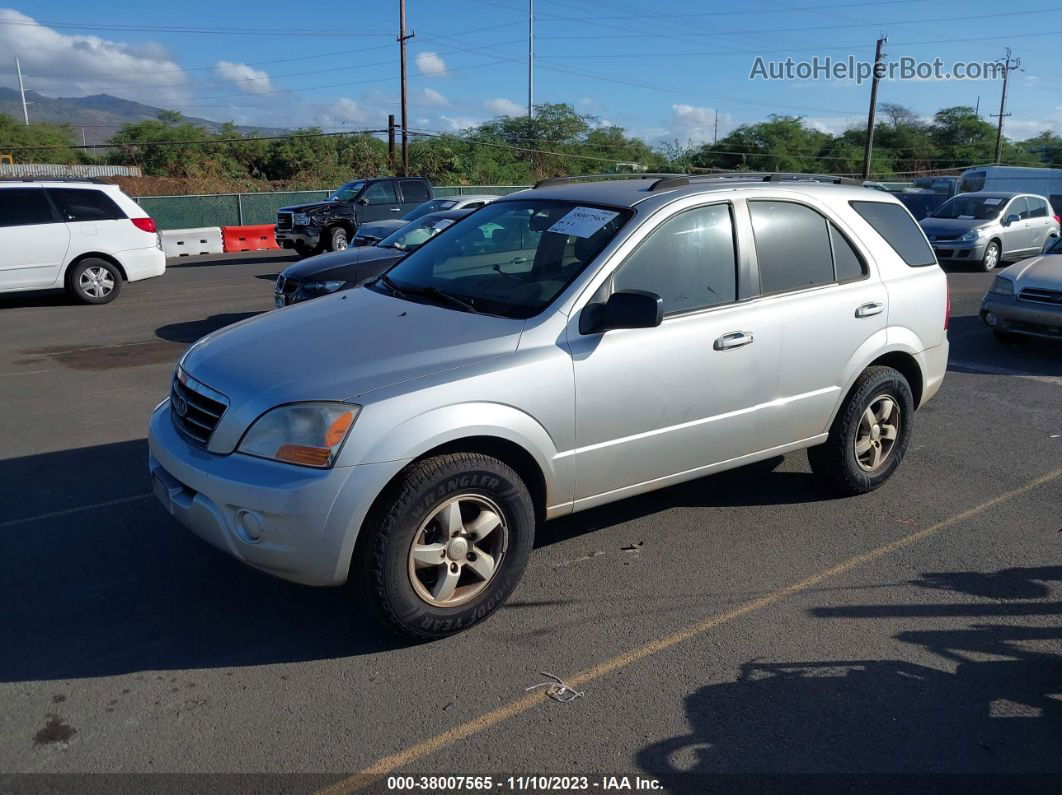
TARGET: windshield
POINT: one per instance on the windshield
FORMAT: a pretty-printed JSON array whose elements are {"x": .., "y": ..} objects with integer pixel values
[
  {"x": 413, "y": 235},
  {"x": 508, "y": 258},
  {"x": 969, "y": 208},
  {"x": 345, "y": 193},
  {"x": 433, "y": 206}
]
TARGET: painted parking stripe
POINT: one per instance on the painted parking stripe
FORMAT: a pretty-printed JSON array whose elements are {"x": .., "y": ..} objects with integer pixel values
[
  {"x": 42, "y": 516},
  {"x": 989, "y": 369},
  {"x": 389, "y": 764}
]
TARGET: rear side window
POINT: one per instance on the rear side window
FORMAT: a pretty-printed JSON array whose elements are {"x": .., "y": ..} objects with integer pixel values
[
  {"x": 899, "y": 230},
  {"x": 414, "y": 190},
  {"x": 792, "y": 246},
  {"x": 846, "y": 260},
  {"x": 24, "y": 206},
  {"x": 689, "y": 261},
  {"x": 81, "y": 204}
]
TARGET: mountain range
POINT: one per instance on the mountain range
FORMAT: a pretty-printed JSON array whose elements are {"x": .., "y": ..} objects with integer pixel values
[{"x": 96, "y": 118}]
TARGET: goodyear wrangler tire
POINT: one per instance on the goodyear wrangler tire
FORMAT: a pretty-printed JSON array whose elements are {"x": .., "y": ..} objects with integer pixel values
[{"x": 445, "y": 545}]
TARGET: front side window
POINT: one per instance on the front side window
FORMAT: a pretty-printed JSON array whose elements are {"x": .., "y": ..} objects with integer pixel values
[
  {"x": 510, "y": 259},
  {"x": 346, "y": 193},
  {"x": 415, "y": 234},
  {"x": 1018, "y": 207},
  {"x": 81, "y": 204},
  {"x": 792, "y": 246},
  {"x": 24, "y": 206},
  {"x": 899, "y": 230},
  {"x": 689, "y": 261},
  {"x": 380, "y": 193}
]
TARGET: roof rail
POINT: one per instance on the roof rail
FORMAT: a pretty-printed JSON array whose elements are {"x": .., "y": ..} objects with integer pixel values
[
  {"x": 668, "y": 183},
  {"x": 567, "y": 180},
  {"x": 94, "y": 180}
]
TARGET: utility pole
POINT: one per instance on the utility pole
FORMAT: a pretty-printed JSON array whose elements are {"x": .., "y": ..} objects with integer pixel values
[
  {"x": 530, "y": 62},
  {"x": 402, "y": 49},
  {"x": 1008, "y": 64},
  {"x": 391, "y": 141},
  {"x": 878, "y": 55},
  {"x": 715, "y": 133},
  {"x": 22, "y": 91}
]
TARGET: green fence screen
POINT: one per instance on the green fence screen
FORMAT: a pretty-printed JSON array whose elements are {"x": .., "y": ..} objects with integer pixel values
[{"x": 236, "y": 209}]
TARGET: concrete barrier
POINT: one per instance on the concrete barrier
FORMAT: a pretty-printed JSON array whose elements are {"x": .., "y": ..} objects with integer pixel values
[
  {"x": 249, "y": 238},
  {"x": 189, "y": 242}
]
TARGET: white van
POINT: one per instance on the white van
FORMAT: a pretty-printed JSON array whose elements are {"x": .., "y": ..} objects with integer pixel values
[
  {"x": 84, "y": 236},
  {"x": 1016, "y": 179}
]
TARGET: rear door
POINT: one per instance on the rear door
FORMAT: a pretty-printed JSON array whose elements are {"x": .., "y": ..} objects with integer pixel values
[
  {"x": 95, "y": 221},
  {"x": 821, "y": 292},
  {"x": 1040, "y": 223},
  {"x": 381, "y": 202},
  {"x": 33, "y": 241},
  {"x": 414, "y": 192}
]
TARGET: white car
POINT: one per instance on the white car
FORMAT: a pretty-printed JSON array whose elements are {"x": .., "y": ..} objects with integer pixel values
[
  {"x": 86, "y": 237},
  {"x": 373, "y": 232}
]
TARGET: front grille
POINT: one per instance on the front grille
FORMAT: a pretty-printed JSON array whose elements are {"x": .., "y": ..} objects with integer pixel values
[
  {"x": 283, "y": 221},
  {"x": 195, "y": 407},
  {"x": 286, "y": 286},
  {"x": 1041, "y": 296}
]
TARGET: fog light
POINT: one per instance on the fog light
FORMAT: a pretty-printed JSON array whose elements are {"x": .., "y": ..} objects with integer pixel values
[
  {"x": 249, "y": 526},
  {"x": 991, "y": 319}
]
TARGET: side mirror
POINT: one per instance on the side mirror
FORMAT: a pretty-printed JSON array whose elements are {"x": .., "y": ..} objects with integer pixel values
[
  {"x": 1011, "y": 219},
  {"x": 363, "y": 201},
  {"x": 625, "y": 309}
]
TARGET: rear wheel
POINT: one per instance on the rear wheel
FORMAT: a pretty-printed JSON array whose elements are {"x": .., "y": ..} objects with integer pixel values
[
  {"x": 869, "y": 437},
  {"x": 445, "y": 546},
  {"x": 991, "y": 256},
  {"x": 94, "y": 281}
]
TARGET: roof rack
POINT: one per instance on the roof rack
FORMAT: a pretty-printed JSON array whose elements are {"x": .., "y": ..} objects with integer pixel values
[
  {"x": 567, "y": 180},
  {"x": 679, "y": 181},
  {"x": 94, "y": 180}
]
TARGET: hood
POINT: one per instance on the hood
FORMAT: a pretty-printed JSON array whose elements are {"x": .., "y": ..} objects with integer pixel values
[
  {"x": 381, "y": 229},
  {"x": 338, "y": 347},
  {"x": 302, "y": 208},
  {"x": 951, "y": 227},
  {"x": 352, "y": 264},
  {"x": 1044, "y": 272}
]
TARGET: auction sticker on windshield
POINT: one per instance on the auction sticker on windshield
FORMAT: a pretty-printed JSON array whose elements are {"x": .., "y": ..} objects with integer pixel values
[{"x": 582, "y": 221}]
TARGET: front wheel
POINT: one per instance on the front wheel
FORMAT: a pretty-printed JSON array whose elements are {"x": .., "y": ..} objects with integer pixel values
[
  {"x": 991, "y": 256},
  {"x": 337, "y": 239},
  {"x": 869, "y": 437},
  {"x": 445, "y": 545}
]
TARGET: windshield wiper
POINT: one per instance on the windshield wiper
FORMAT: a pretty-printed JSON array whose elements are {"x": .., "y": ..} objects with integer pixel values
[
  {"x": 394, "y": 288},
  {"x": 436, "y": 293}
]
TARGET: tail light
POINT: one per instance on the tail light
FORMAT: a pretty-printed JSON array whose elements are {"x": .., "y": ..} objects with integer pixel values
[
  {"x": 947, "y": 307},
  {"x": 1058, "y": 219},
  {"x": 146, "y": 224}
]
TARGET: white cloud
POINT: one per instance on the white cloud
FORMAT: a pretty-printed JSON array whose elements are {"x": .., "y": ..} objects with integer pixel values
[
  {"x": 253, "y": 81},
  {"x": 430, "y": 64},
  {"x": 456, "y": 123},
  {"x": 503, "y": 107},
  {"x": 58, "y": 64},
  {"x": 588, "y": 105},
  {"x": 429, "y": 96},
  {"x": 697, "y": 124}
]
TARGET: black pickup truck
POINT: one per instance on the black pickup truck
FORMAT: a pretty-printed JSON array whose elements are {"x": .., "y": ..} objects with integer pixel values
[{"x": 330, "y": 225}]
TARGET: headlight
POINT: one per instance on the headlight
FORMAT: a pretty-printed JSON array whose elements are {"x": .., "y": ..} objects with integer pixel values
[
  {"x": 309, "y": 434},
  {"x": 1002, "y": 286},
  {"x": 302, "y": 219},
  {"x": 323, "y": 287},
  {"x": 972, "y": 235}
]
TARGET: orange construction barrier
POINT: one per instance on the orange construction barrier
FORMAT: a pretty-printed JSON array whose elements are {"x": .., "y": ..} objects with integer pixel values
[{"x": 249, "y": 238}]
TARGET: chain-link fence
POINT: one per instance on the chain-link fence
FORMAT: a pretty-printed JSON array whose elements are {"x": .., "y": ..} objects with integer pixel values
[{"x": 237, "y": 209}]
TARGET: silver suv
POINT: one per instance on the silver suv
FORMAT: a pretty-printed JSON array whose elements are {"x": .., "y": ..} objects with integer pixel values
[{"x": 557, "y": 349}]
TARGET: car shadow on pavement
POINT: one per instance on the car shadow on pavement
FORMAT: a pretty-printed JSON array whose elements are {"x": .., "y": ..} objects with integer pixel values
[
  {"x": 236, "y": 258},
  {"x": 985, "y": 714},
  {"x": 122, "y": 587},
  {"x": 193, "y": 330},
  {"x": 39, "y": 298}
]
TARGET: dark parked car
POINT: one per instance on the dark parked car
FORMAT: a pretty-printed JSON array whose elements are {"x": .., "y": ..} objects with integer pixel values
[
  {"x": 330, "y": 225},
  {"x": 372, "y": 233},
  {"x": 342, "y": 270}
]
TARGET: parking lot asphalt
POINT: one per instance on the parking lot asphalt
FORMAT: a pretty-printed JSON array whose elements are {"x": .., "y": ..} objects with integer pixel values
[{"x": 741, "y": 631}]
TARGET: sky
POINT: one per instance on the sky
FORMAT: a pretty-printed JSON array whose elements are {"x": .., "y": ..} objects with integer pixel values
[{"x": 665, "y": 71}]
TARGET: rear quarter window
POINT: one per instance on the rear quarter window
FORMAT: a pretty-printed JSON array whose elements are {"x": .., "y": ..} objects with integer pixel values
[
  {"x": 899, "y": 230},
  {"x": 85, "y": 204}
]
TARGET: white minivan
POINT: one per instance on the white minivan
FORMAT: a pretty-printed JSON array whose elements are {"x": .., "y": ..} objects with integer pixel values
[{"x": 86, "y": 237}]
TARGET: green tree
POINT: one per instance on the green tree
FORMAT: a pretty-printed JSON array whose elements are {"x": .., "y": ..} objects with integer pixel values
[{"x": 22, "y": 142}]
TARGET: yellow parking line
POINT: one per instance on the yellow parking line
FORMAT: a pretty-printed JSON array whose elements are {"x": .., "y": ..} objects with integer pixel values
[{"x": 393, "y": 762}]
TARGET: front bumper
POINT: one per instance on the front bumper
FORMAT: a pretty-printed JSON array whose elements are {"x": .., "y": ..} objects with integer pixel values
[
  {"x": 954, "y": 250},
  {"x": 297, "y": 523},
  {"x": 1022, "y": 317},
  {"x": 298, "y": 237}
]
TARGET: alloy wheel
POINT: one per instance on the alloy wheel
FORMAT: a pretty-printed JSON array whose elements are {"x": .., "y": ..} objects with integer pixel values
[
  {"x": 96, "y": 282},
  {"x": 879, "y": 428}
]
